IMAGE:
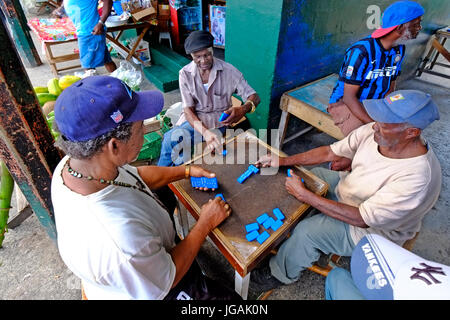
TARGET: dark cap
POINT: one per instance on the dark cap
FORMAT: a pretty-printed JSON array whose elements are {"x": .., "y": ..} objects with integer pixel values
[{"x": 198, "y": 40}]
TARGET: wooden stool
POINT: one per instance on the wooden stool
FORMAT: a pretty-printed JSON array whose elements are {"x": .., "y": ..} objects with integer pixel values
[{"x": 437, "y": 47}]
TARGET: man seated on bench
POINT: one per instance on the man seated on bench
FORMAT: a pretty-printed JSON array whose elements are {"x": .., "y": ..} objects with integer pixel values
[
  {"x": 206, "y": 87},
  {"x": 371, "y": 67},
  {"x": 395, "y": 180}
]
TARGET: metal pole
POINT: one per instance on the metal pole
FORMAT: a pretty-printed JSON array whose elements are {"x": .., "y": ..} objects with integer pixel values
[
  {"x": 26, "y": 144},
  {"x": 15, "y": 17}
]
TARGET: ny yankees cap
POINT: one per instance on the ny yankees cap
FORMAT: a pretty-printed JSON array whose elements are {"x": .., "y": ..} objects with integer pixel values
[
  {"x": 396, "y": 14},
  {"x": 382, "y": 270},
  {"x": 412, "y": 106},
  {"x": 96, "y": 105}
]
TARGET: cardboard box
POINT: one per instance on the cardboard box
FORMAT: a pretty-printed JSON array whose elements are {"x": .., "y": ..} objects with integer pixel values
[
  {"x": 142, "y": 14},
  {"x": 163, "y": 10}
]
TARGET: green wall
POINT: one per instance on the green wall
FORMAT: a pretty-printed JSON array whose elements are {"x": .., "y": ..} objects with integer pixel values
[{"x": 252, "y": 31}]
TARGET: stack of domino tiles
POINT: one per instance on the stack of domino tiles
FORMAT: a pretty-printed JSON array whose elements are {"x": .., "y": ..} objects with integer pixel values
[
  {"x": 267, "y": 222},
  {"x": 203, "y": 182}
]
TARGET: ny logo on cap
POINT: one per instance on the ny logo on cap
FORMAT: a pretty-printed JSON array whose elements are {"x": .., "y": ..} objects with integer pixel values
[
  {"x": 427, "y": 270},
  {"x": 117, "y": 116}
]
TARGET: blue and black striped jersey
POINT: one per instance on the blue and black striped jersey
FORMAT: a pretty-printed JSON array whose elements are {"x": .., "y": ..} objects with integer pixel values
[{"x": 370, "y": 66}]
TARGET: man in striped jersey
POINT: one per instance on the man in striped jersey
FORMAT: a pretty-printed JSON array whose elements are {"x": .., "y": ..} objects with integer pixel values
[{"x": 371, "y": 66}]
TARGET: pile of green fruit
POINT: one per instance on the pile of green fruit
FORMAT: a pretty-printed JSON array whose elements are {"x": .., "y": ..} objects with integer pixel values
[{"x": 47, "y": 96}]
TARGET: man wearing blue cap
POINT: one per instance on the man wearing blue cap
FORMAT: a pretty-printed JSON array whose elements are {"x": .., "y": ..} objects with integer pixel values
[
  {"x": 113, "y": 231},
  {"x": 90, "y": 29},
  {"x": 372, "y": 65},
  {"x": 395, "y": 180}
]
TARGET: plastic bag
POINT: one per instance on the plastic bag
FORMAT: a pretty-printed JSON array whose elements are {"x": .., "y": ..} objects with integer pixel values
[
  {"x": 174, "y": 112},
  {"x": 128, "y": 74}
]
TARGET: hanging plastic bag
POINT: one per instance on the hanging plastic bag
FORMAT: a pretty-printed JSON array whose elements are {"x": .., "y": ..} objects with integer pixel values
[{"x": 128, "y": 74}]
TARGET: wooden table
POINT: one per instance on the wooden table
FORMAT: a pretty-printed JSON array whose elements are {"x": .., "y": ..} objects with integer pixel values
[
  {"x": 258, "y": 194},
  {"x": 120, "y": 29},
  {"x": 437, "y": 47},
  {"x": 309, "y": 103},
  {"x": 53, "y": 60}
]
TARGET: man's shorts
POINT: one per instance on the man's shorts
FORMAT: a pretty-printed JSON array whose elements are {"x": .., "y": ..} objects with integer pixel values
[
  {"x": 343, "y": 118},
  {"x": 93, "y": 51}
]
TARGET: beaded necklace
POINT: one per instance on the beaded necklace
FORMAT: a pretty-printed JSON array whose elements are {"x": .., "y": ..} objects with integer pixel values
[{"x": 139, "y": 184}]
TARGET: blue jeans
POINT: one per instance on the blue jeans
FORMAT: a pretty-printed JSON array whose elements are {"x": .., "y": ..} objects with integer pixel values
[
  {"x": 177, "y": 144},
  {"x": 339, "y": 285},
  {"x": 310, "y": 237}
]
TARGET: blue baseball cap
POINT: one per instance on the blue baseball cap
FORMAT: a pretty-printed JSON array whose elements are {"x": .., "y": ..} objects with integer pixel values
[
  {"x": 96, "y": 105},
  {"x": 396, "y": 14},
  {"x": 382, "y": 270},
  {"x": 411, "y": 106}
]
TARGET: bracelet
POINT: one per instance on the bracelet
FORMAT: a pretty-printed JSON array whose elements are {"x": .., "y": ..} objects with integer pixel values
[
  {"x": 253, "y": 106},
  {"x": 187, "y": 171},
  {"x": 100, "y": 21}
]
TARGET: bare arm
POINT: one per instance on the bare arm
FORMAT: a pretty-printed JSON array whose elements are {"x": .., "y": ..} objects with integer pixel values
[
  {"x": 311, "y": 157},
  {"x": 340, "y": 211},
  {"x": 106, "y": 11},
  {"x": 211, "y": 139},
  {"x": 183, "y": 254},
  {"x": 156, "y": 177},
  {"x": 353, "y": 103},
  {"x": 237, "y": 112}
]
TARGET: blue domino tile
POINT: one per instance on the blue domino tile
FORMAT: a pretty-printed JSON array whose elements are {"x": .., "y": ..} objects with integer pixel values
[
  {"x": 220, "y": 196},
  {"x": 262, "y": 218},
  {"x": 277, "y": 212},
  {"x": 290, "y": 175},
  {"x": 263, "y": 237},
  {"x": 268, "y": 222},
  {"x": 250, "y": 170},
  {"x": 276, "y": 225},
  {"x": 223, "y": 116},
  {"x": 252, "y": 227},
  {"x": 252, "y": 235}
]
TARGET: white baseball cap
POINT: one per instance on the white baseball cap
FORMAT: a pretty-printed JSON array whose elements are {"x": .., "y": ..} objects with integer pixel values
[{"x": 382, "y": 270}]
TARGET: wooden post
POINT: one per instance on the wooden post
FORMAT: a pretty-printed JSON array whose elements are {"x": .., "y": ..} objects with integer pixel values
[
  {"x": 26, "y": 144},
  {"x": 15, "y": 17}
]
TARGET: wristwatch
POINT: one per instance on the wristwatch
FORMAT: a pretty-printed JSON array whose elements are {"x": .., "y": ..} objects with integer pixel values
[{"x": 100, "y": 21}]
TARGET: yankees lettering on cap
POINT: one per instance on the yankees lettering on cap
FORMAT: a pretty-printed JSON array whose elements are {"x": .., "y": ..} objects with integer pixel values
[{"x": 98, "y": 104}]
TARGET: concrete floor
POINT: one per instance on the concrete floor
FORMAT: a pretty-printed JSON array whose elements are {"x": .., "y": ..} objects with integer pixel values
[{"x": 31, "y": 268}]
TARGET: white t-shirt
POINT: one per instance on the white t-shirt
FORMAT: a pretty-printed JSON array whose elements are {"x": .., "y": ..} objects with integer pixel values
[
  {"x": 116, "y": 240},
  {"x": 393, "y": 195}
]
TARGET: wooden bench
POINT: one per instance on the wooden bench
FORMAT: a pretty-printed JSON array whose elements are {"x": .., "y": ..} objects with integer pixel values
[
  {"x": 309, "y": 103},
  {"x": 437, "y": 47}
]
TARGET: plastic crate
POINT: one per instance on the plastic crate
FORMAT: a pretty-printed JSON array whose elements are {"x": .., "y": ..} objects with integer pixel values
[{"x": 151, "y": 149}]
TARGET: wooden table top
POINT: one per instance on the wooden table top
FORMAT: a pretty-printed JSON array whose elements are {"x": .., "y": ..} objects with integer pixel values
[{"x": 259, "y": 194}]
